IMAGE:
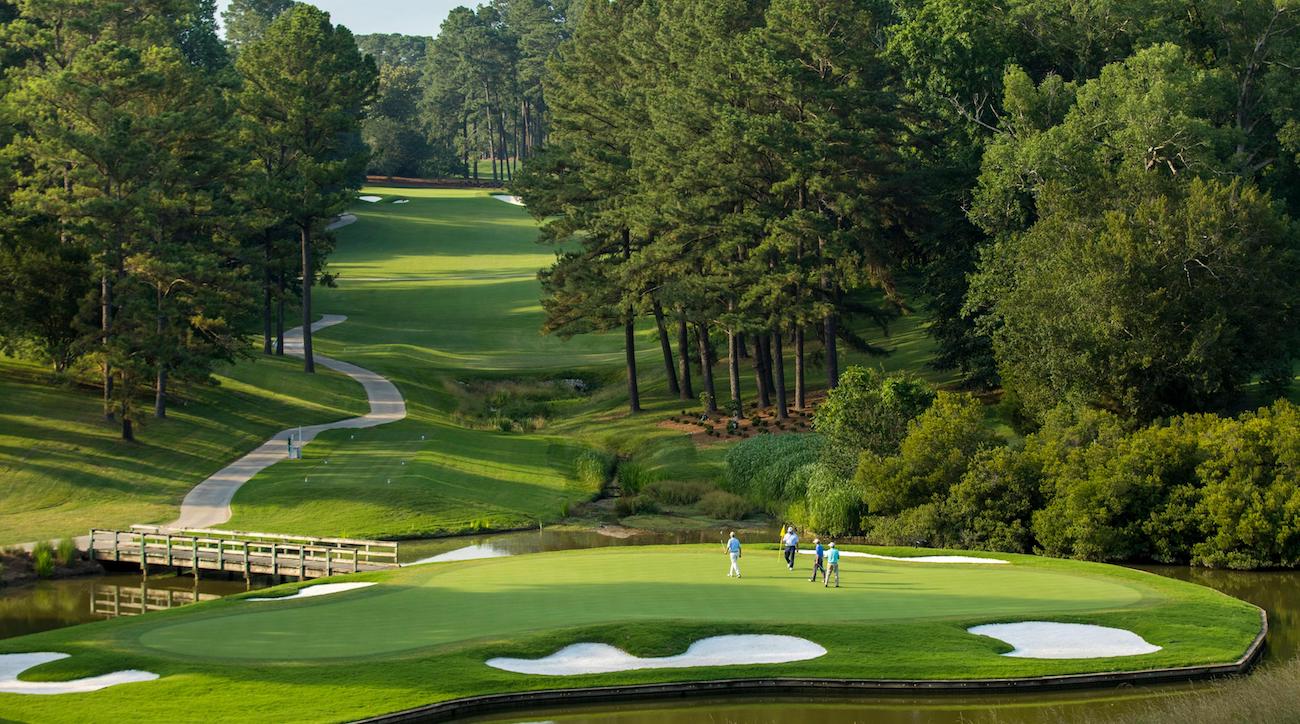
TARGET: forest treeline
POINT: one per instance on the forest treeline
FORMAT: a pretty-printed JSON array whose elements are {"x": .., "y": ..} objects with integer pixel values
[
  {"x": 163, "y": 195},
  {"x": 1094, "y": 201}
]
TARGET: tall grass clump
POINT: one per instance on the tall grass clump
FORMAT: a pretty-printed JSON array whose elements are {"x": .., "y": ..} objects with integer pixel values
[
  {"x": 594, "y": 468},
  {"x": 764, "y": 468},
  {"x": 677, "y": 492},
  {"x": 66, "y": 552},
  {"x": 725, "y": 506},
  {"x": 633, "y": 476},
  {"x": 43, "y": 559}
]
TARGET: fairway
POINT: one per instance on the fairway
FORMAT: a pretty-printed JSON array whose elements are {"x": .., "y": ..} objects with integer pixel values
[{"x": 424, "y": 633}]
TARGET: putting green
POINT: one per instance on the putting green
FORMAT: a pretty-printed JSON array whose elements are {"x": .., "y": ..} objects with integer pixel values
[{"x": 436, "y": 604}]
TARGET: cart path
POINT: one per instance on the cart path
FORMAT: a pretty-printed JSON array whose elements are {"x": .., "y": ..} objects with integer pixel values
[{"x": 208, "y": 504}]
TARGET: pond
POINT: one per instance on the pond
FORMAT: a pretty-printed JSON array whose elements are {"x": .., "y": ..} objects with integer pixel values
[{"x": 55, "y": 604}]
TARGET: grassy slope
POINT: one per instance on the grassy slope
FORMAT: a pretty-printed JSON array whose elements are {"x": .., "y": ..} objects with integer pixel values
[
  {"x": 443, "y": 288},
  {"x": 64, "y": 470},
  {"x": 457, "y": 296},
  {"x": 409, "y": 641}
]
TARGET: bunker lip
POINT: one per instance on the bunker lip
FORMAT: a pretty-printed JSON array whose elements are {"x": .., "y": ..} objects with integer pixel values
[
  {"x": 320, "y": 589},
  {"x": 1052, "y": 640},
  {"x": 917, "y": 559},
  {"x": 732, "y": 650},
  {"x": 12, "y": 665},
  {"x": 805, "y": 687}
]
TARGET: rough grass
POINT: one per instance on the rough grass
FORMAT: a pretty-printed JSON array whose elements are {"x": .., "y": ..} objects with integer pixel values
[
  {"x": 64, "y": 470},
  {"x": 423, "y": 633}
]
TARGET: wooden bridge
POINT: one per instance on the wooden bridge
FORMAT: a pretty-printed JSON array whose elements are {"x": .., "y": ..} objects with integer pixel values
[{"x": 239, "y": 552}]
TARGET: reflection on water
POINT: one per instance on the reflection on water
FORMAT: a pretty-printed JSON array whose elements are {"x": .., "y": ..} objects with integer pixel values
[{"x": 49, "y": 605}]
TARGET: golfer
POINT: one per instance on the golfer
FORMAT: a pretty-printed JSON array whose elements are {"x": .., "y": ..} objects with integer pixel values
[
  {"x": 733, "y": 551},
  {"x": 791, "y": 547},
  {"x": 820, "y": 563},
  {"x": 832, "y": 566}
]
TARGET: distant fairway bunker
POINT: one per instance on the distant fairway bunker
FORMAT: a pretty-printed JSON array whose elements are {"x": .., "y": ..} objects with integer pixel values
[{"x": 425, "y": 634}]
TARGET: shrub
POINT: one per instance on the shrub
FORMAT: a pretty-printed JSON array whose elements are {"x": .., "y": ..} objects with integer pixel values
[
  {"x": 67, "y": 552},
  {"x": 923, "y": 525},
  {"x": 834, "y": 503},
  {"x": 869, "y": 411},
  {"x": 593, "y": 468},
  {"x": 630, "y": 505},
  {"x": 632, "y": 476},
  {"x": 992, "y": 507},
  {"x": 931, "y": 459},
  {"x": 760, "y": 467},
  {"x": 43, "y": 559},
  {"x": 676, "y": 492},
  {"x": 724, "y": 505}
]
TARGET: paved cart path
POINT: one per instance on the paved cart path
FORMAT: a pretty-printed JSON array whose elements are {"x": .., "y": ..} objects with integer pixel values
[{"x": 208, "y": 504}]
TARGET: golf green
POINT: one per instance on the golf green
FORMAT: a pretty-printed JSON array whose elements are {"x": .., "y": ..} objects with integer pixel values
[{"x": 434, "y": 605}]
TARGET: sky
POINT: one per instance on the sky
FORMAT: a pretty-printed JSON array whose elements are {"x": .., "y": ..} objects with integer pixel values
[{"x": 362, "y": 17}]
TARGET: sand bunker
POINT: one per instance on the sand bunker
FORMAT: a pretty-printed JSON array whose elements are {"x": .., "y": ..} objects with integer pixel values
[
  {"x": 371, "y": 199},
  {"x": 11, "y": 665},
  {"x": 342, "y": 221},
  {"x": 402, "y": 201},
  {"x": 509, "y": 199},
  {"x": 321, "y": 589},
  {"x": 712, "y": 651},
  {"x": 468, "y": 553},
  {"x": 1047, "y": 640},
  {"x": 916, "y": 559}
]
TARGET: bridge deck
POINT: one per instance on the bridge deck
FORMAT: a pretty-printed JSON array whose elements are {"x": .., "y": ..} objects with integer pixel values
[{"x": 247, "y": 553}]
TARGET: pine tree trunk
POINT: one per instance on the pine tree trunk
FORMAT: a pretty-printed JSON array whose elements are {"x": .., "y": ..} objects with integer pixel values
[
  {"x": 706, "y": 368},
  {"x": 832, "y": 354},
  {"x": 742, "y": 346},
  {"x": 760, "y": 375},
  {"x": 160, "y": 393},
  {"x": 105, "y": 323},
  {"x": 308, "y": 277},
  {"x": 737, "y": 407},
  {"x": 778, "y": 358},
  {"x": 684, "y": 353},
  {"x": 800, "y": 387},
  {"x": 666, "y": 345},
  {"x": 266, "y": 306},
  {"x": 128, "y": 430},
  {"x": 279, "y": 319},
  {"x": 763, "y": 345},
  {"x": 629, "y": 349}
]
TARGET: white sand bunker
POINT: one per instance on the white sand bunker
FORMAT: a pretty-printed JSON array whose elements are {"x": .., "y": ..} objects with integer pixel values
[
  {"x": 371, "y": 199},
  {"x": 916, "y": 559},
  {"x": 402, "y": 201},
  {"x": 468, "y": 553},
  {"x": 712, "y": 651},
  {"x": 11, "y": 665},
  {"x": 509, "y": 199},
  {"x": 321, "y": 589},
  {"x": 1047, "y": 640}
]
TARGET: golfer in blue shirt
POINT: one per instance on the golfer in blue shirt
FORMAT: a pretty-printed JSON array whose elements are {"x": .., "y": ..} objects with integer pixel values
[
  {"x": 832, "y": 566},
  {"x": 733, "y": 550},
  {"x": 819, "y": 564}
]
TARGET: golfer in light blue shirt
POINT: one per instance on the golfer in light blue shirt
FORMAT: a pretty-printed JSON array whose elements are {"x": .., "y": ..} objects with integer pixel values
[
  {"x": 733, "y": 551},
  {"x": 832, "y": 566}
]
